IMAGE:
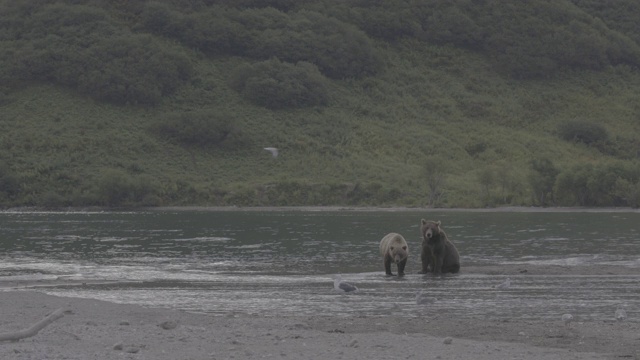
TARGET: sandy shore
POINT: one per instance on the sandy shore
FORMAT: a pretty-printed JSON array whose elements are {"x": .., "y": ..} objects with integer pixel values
[{"x": 92, "y": 329}]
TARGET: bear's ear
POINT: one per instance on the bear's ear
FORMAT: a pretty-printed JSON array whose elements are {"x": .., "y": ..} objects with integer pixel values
[
  {"x": 438, "y": 222},
  {"x": 423, "y": 221}
]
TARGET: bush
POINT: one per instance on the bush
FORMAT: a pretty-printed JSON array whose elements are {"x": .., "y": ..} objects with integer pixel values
[
  {"x": 338, "y": 49},
  {"x": 283, "y": 5},
  {"x": 276, "y": 85},
  {"x": 82, "y": 47},
  {"x": 9, "y": 184},
  {"x": 628, "y": 191},
  {"x": 388, "y": 21},
  {"x": 542, "y": 179},
  {"x": 117, "y": 188},
  {"x": 583, "y": 131},
  {"x": 543, "y": 37},
  {"x": 202, "y": 129},
  {"x": 160, "y": 19},
  {"x": 610, "y": 184},
  {"x": 134, "y": 69},
  {"x": 214, "y": 31}
]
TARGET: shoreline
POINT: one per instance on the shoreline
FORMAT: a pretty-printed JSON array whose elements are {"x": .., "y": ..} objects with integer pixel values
[
  {"x": 104, "y": 330},
  {"x": 396, "y": 209},
  {"x": 504, "y": 209}
]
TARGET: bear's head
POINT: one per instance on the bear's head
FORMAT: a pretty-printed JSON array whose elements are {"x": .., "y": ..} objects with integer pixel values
[
  {"x": 398, "y": 252},
  {"x": 430, "y": 230}
]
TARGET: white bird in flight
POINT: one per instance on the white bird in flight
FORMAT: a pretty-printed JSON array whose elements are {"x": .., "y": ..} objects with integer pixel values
[
  {"x": 273, "y": 151},
  {"x": 343, "y": 286}
]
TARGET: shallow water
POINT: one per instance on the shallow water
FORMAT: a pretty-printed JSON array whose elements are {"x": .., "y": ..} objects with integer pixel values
[{"x": 282, "y": 262}]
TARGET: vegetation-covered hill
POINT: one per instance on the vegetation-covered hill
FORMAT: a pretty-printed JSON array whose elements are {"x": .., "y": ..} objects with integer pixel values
[{"x": 455, "y": 103}]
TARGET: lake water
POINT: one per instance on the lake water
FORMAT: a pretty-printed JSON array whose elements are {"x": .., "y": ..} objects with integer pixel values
[{"x": 282, "y": 262}]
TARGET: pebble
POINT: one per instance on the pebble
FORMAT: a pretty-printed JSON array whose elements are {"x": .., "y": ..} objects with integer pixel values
[
  {"x": 448, "y": 340},
  {"x": 132, "y": 349},
  {"x": 168, "y": 325}
]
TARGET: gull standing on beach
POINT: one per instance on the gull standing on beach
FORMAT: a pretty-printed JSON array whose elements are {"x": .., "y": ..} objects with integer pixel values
[
  {"x": 343, "y": 286},
  {"x": 423, "y": 299},
  {"x": 567, "y": 319},
  {"x": 620, "y": 314}
]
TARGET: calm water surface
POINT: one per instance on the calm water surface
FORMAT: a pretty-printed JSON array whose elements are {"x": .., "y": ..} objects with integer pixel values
[{"x": 281, "y": 262}]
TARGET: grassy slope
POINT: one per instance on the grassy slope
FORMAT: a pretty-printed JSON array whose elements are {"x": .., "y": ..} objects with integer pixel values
[{"x": 430, "y": 101}]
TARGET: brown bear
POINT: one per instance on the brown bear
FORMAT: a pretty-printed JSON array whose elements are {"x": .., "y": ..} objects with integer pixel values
[
  {"x": 394, "y": 248},
  {"x": 438, "y": 252}
]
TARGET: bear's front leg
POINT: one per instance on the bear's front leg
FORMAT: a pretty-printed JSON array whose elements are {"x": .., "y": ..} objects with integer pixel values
[
  {"x": 425, "y": 257},
  {"x": 401, "y": 266},
  {"x": 437, "y": 264},
  {"x": 387, "y": 265}
]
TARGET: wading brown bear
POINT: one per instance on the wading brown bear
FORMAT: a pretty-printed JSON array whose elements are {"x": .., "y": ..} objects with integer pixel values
[
  {"x": 394, "y": 248},
  {"x": 438, "y": 253}
]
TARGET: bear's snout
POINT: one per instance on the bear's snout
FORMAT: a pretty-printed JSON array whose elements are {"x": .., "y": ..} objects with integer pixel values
[{"x": 428, "y": 234}]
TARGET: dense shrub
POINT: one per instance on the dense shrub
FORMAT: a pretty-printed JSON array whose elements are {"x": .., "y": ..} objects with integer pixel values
[
  {"x": 284, "y": 5},
  {"x": 530, "y": 39},
  {"x": 338, "y": 49},
  {"x": 275, "y": 84},
  {"x": 382, "y": 22},
  {"x": 201, "y": 128},
  {"x": 542, "y": 179},
  {"x": 452, "y": 23},
  {"x": 602, "y": 184},
  {"x": 160, "y": 18},
  {"x": 621, "y": 15},
  {"x": 583, "y": 131},
  {"x": 9, "y": 184},
  {"x": 287, "y": 193},
  {"x": 82, "y": 47},
  {"x": 628, "y": 190},
  {"x": 117, "y": 188},
  {"x": 215, "y": 31},
  {"x": 134, "y": 69},
  {"x": 535, "y": 39}
]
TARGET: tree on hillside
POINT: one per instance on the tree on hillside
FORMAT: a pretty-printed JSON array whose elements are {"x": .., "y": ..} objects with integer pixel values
[
  {"x": 435, "y": 175},
  {"x": 276, "y": 84},
  {"x": 542, "y": 179}
]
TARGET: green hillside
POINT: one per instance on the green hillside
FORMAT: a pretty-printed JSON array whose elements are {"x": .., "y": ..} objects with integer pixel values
[{"x": 388, "y": 103}]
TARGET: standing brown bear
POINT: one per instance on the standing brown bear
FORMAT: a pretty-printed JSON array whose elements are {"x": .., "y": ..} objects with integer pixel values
[
  {"x": 438, "y": 252},
  {"x": 394, "y": 248}
]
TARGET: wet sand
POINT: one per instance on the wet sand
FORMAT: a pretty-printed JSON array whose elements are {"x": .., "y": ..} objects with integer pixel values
[{"x": 93, "y": 329}]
